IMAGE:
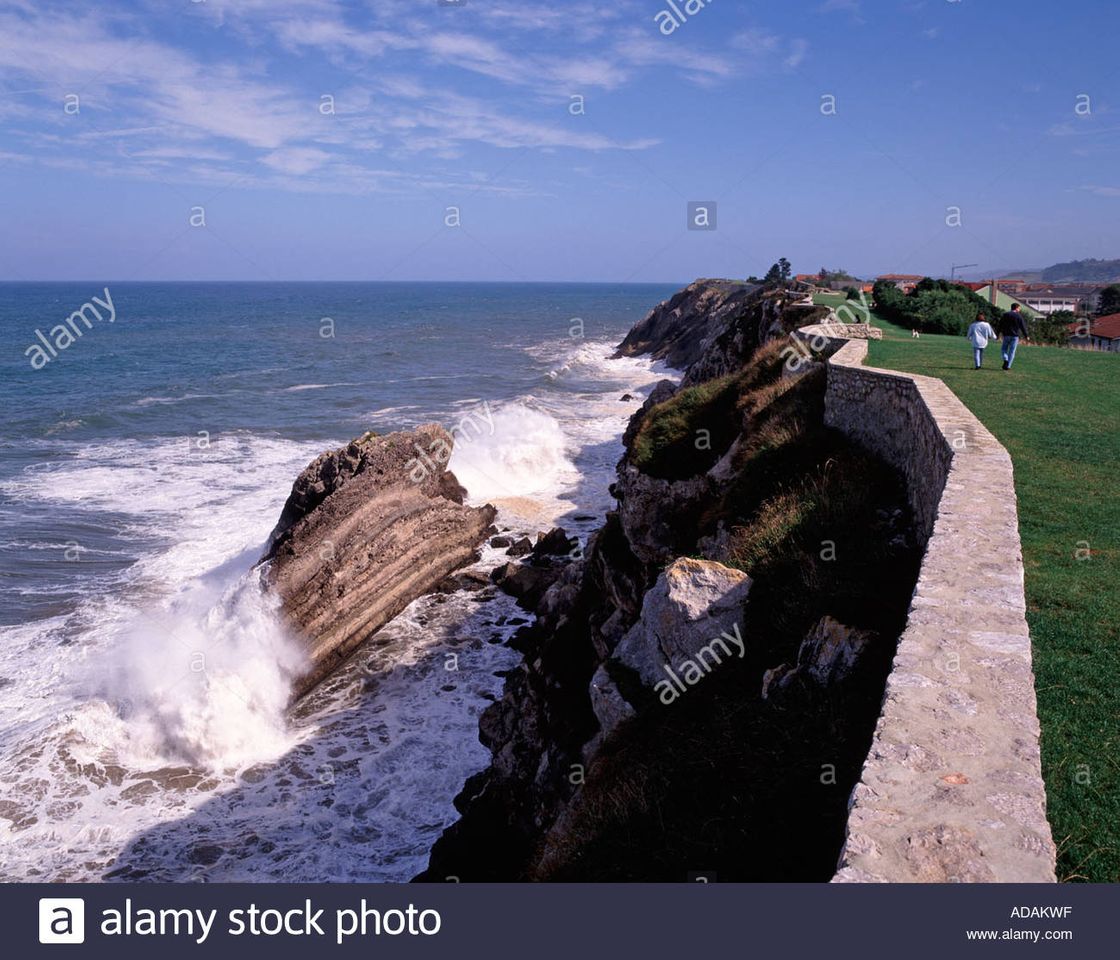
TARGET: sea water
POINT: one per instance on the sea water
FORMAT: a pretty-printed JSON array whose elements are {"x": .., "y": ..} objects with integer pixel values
[{"x": 144, "y": 727}]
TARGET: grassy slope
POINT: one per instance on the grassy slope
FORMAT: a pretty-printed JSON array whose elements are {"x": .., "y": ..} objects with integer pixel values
[{"x": 1058, "y": 413}]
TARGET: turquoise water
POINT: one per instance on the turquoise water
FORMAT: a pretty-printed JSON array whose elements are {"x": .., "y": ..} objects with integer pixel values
[{"x": 141, "y": 469}]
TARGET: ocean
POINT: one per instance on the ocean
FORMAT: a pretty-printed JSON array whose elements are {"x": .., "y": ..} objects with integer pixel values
[{"x": 148, "y": 445}]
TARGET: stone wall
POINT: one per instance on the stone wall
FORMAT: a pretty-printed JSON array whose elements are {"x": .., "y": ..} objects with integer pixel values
[{"x": 951, "y": 790}]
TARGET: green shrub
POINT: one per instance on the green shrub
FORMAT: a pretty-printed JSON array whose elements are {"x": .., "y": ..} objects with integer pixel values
[{"x": 686, "y": 435}]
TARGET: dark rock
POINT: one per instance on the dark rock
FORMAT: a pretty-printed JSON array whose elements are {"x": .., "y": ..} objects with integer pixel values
[
  {"x": 677, "y": 330},
  {"x": 205, "y": 854},
  {"x": 555, "y": 543},
  {"x": 470, "y": 580},
  {"x": 525, "y": 582},
  {"x": 521, "y": 548},
  {"x": 627, "y": 398},
  {"x": 500, "y": 543}
]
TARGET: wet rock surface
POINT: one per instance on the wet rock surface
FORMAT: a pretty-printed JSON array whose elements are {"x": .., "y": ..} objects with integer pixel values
[{"x": 367, "y": 529}]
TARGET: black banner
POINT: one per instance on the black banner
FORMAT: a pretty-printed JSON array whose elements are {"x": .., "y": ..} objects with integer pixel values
[{"x": 561, "y": 921}]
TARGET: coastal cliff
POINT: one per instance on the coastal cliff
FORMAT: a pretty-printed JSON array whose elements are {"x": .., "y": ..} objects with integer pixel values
[
  {"x": 699, "y": 689},
  {"x": 367, "y": 529}
]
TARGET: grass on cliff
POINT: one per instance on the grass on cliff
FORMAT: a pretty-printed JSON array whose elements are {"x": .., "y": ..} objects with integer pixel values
[
  {"x": 1058, "y": 414},
  {"x": 688, "y": 434}
]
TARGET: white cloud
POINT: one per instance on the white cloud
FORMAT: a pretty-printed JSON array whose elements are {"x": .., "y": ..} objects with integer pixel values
[
  {"x": 296, "y": 160},
  {"x": 1102, "y": 191}
]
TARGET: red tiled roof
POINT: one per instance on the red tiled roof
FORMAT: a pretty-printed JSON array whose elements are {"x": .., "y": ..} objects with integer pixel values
[{"x": 1107, "y": 327}]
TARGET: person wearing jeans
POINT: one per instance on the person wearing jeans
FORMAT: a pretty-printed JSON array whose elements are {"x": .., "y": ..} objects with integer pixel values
[
  {"x": 978, "y": 335},
  {"x": 1013, "y": 328}
]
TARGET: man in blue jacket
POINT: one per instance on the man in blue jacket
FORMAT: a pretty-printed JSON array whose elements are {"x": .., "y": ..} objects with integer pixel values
[{"x": 1013, "y": 328}]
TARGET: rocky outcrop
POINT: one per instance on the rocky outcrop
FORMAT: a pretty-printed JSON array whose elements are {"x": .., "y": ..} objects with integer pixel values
[
  {"x": 678, "y": 330},
  {"x": 654, "y": 592},
  {"x": 713, "y": 326},
  {"x": 827, "y": 657},
  {"x": 689, "y": 624},
  {"x": 367, "y": 529}
]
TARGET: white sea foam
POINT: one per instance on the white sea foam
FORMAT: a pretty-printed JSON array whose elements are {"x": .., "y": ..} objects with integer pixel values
[
  {"x": 521, "y": 452},
  {"x": 204, "y": 682},
  {"x": 118, "y": 759}
]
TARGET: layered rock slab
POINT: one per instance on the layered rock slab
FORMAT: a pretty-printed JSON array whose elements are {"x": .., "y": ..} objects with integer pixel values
[{"x": 367, "y": 529}]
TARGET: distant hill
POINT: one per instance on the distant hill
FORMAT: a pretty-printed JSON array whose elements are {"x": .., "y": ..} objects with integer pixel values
[{"x": 1084, "y": 271}]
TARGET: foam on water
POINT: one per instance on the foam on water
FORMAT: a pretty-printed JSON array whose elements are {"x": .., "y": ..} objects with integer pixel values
[{"x": 145, "y": 733}]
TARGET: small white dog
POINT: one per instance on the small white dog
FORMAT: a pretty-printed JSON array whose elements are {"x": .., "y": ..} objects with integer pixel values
[{"x": 916, "y": 334}]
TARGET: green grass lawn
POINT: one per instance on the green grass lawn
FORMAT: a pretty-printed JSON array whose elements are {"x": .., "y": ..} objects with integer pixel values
[{"x": 1058, "y": 414}]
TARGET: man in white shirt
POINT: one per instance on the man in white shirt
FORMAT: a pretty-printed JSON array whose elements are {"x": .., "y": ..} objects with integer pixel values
[{"x": 979, "y": 334}]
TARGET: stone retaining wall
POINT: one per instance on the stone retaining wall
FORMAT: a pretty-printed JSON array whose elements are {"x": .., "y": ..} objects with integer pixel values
[{"x": 951, "y": 790}]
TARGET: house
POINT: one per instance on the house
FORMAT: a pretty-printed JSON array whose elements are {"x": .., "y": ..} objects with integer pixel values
[
  {"x": 905, "y": 282},
  {"x": 1004, "y": 301},
  {"x": 1076, "y": 298},
  {"x": 1103, "y": 334}
]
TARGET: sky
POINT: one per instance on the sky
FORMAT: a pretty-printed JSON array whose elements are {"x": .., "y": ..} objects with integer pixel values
[{"x": 516, "y": 140}]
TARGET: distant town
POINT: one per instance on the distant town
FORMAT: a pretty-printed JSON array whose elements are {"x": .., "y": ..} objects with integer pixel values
[{"x": 1087, "y": 313}]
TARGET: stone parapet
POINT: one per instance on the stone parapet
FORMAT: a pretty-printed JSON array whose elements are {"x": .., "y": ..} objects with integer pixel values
[{"x": 951, "y": 790}]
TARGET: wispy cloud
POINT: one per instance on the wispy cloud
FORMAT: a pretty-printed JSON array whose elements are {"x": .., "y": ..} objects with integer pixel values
[
  {"x": 404, "y": 82},
  {"x": 1102, "y": 191}
]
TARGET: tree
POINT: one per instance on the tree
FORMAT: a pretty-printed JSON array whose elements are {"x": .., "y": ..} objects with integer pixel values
[
  {"x": 1054, "y": 329},
  {"x": 1110, "y": 301},
  {"x": 785, "y": 269},
  {"x": 852, "y": 293}
]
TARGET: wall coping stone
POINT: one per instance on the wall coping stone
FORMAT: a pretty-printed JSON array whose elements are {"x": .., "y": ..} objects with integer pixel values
[{"x": 951, "y": 790}]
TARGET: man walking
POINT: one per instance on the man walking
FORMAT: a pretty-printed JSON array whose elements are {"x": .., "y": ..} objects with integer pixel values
[
  {"x": 1013, "y": 328},
  {"x": 978, "y": 335}
]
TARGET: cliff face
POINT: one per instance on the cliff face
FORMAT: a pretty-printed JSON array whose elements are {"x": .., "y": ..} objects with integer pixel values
[
  {"x": 599, "y": 743},
  {"x": 366, "y": 530}
]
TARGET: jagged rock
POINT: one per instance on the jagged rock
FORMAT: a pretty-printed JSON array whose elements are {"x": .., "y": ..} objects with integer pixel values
[
  {"x": 520, "y": 548},
  {"x": 525, "y": 582},
  {"x": 693, "y": 604},
  {"x": 500, "y": 543},
  {"x": 627, "y": 398},
  {"x": 555, "y": 543},
  {"x": 366, "y": 530},
  {"x": 591, "y": 640},
  {"x": 611, "y": 708},
  {"x": 828, "y": 655},
  {"x": 471, "y": 580},
  {"x": 676, "y": 330},
  {"x": 658, "y": 515}
]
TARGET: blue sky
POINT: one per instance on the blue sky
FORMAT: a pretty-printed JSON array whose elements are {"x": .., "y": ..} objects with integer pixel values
[{"x": 1008, "y": 111}]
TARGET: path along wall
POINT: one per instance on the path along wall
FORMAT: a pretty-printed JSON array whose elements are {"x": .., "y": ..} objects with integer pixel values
[{"x": 952, "y": 789}]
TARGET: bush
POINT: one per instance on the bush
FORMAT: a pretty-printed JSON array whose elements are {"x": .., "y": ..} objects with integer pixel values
[
  {"x": 1054, "y": 329},
  {"x": 934, "y": 306}
]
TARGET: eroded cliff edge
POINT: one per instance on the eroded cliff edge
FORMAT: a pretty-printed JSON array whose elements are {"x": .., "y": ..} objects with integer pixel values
[{"x": 699, "y": 690}]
